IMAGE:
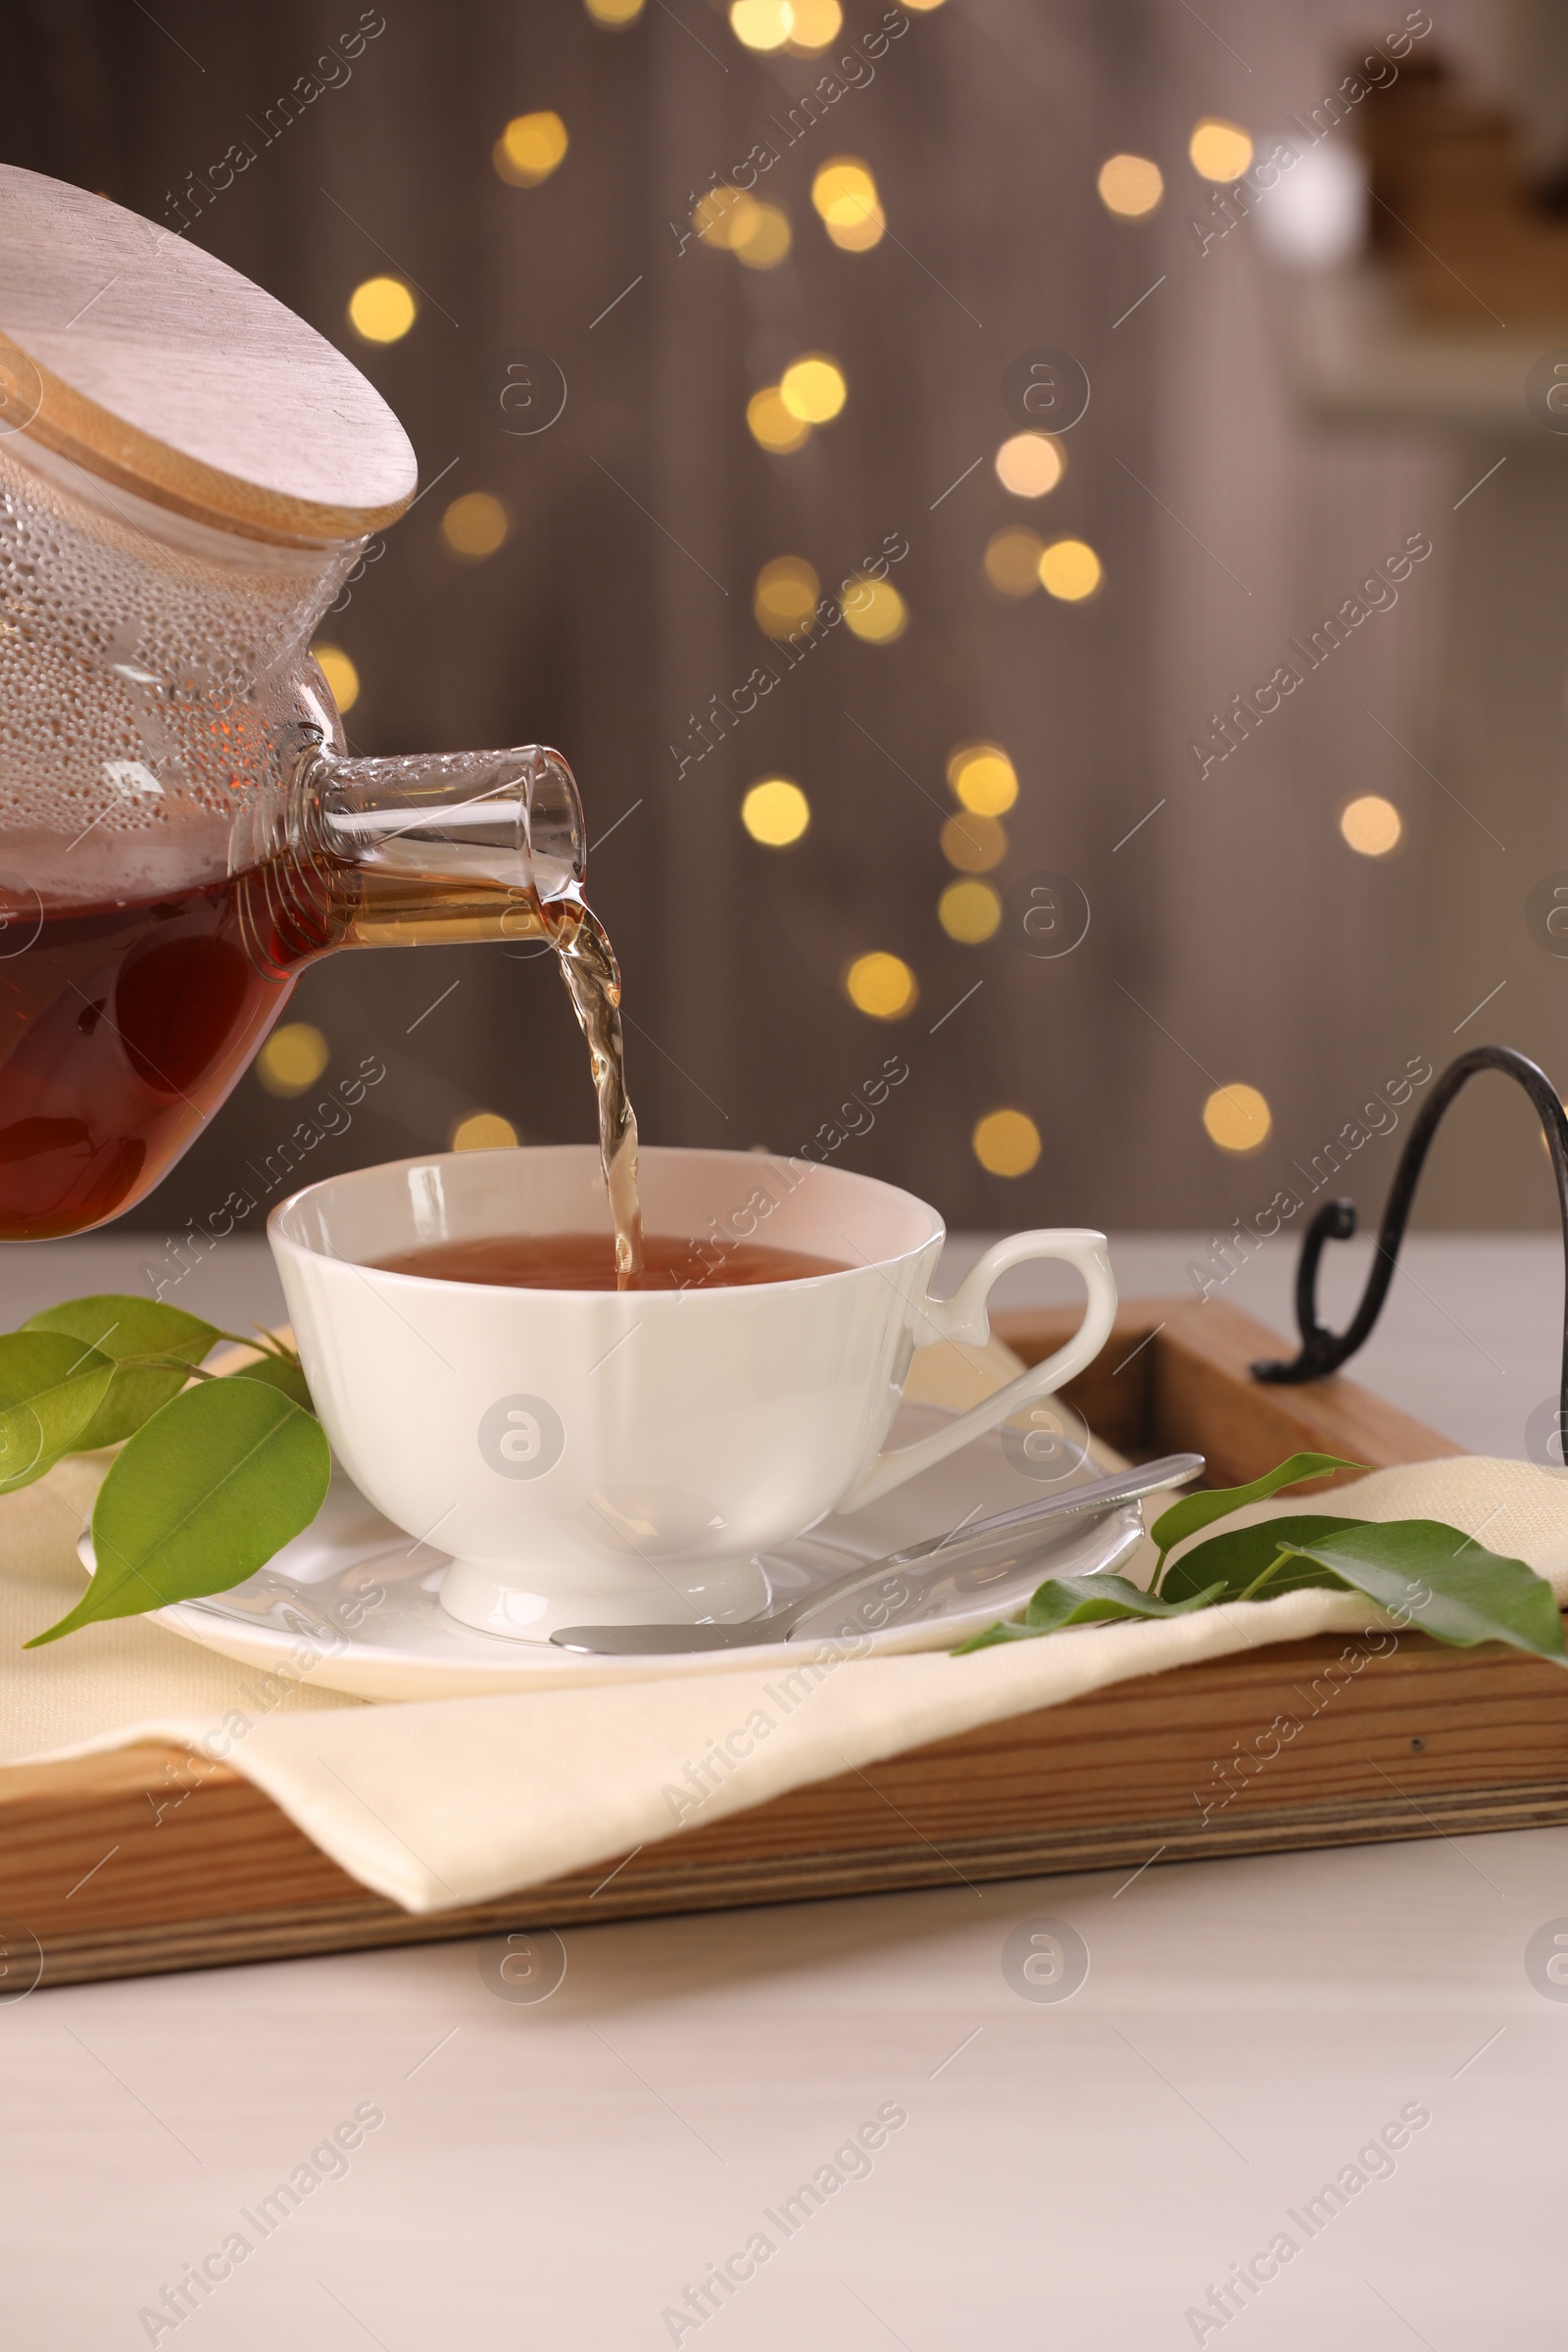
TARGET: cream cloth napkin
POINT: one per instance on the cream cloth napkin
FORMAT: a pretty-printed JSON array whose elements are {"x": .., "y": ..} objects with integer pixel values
[{"x": 448, "y": 1801}]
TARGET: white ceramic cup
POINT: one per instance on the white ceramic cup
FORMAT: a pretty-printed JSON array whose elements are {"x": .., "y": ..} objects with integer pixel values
[{"x": 597, "y": 1458}]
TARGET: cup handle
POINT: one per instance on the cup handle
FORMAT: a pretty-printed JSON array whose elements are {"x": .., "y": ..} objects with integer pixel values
[{"x": 963, "y": 1317}]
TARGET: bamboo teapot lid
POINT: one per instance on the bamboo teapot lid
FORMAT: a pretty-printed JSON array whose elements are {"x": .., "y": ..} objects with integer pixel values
[{"x": 155, "y": 367}]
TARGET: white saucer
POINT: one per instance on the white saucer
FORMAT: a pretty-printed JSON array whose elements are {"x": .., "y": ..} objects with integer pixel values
[{"x": 298, "y": 1613}]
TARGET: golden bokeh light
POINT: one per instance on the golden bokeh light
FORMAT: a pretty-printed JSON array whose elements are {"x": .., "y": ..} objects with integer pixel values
[
  {"x": 474, "y": 525},
  {"x": 844, "y": 193},
  {"x": 1070, "y": 570},
  {"x": 974, "y": 844},
  {"x": 292, "y": 1058},
  {"x": 1219, "y": 150},
  {"x": 983, "y": 778},
  {"x": 342, "y": 678},
  {"x": 874, "y": 611},
  {"x": 1030, "y": 464},
  {"x": 842, "y": 184},
  {"x": 1130, "y": 186},
  {"x": 1372, "y": 825},
  {"x": 969, "y": 911},
  {"x": 882, "y": 986},
  {"x": 922, "y": 7},
  {"x": 816, "y": 24},
  {"x": 717, "y": 214},
  {"x": 868, "y": 228},
  {"x": 761, "y": 237},
  {"x": 529, "y": 149},
  {"x": 775, "y": 812},
  {"x": 786, "y": 594},
  {"x": 761, "y": 24},
  {"x": 1238, "y": 1118},
  {"x": 483, "y": 1131},
  {"x": 381, "y": 310},
  {"x": 772, "y": 425},
  {"x": 812, "y": 388},
  {"x": 1005, "y": 1143},
  {"x": 1012, "y": 559},
  {"x": 615, "y": 13}
]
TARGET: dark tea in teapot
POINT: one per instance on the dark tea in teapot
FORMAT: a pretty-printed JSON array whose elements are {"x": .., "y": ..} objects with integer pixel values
[{"x": 122, "y": 1029}]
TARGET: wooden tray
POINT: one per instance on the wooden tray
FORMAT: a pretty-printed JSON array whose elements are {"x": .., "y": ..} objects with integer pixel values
[{"x": 1424, "y": 1743}]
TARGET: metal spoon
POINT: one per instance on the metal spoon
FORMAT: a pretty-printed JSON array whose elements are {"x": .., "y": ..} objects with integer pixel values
[{"x": 906, "y": 1578}]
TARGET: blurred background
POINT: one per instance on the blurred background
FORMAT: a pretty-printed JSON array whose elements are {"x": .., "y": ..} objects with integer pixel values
[{"x": 1039, "y": 528}]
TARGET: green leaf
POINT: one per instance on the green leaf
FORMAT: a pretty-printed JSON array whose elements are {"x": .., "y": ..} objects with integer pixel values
[
  {"x": 1240, "y": 1556},
  {"x": 120, "y": 1326},
  {"x": 1445, "y": 1583},
  {"x": 1193, "y": 1511},
  {"x": 278, "y": 1372},
  {"x": 51, "y": 1386},
  {"x": 1063, "y": 1601},
  {"x": 219, "y": 1478}
]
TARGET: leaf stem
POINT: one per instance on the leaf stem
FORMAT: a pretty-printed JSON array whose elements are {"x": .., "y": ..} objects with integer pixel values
[
  {"x": 265, "y": 1342},
  {"x": 1278, "y": 1561}
]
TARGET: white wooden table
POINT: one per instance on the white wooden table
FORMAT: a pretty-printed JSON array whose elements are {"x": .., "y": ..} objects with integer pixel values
[{"x": 1076, "y": 2173}]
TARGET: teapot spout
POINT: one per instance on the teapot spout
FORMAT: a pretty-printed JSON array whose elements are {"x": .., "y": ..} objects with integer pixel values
[
  {"x": 430, "y": 847},
  {"x": 511, "y": 818}
]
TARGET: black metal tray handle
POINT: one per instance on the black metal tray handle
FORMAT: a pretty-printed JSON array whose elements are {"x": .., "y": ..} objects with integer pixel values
[{"x": 1322, "y": 1351}]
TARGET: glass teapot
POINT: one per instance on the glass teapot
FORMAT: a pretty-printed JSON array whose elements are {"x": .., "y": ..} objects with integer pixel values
[{"x": 188, "y": 475}]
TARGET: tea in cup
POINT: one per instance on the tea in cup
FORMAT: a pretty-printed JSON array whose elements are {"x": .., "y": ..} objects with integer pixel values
[{"x": 592, "y": 1452}]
